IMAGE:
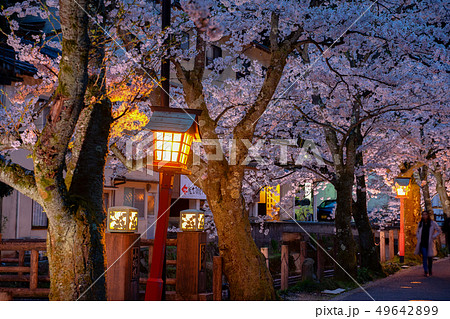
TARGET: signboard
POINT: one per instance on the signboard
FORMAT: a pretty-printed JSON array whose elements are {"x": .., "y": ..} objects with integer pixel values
[{"x": 189, "y": 190}]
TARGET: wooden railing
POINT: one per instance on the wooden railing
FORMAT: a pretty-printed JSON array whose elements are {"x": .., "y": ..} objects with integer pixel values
[
  {"x": 149, "y": 243},
  {"x": 16, "y": 271}
]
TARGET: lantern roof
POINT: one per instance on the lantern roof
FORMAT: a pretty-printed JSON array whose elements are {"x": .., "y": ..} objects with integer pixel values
[
  {"x": 402, "y": 181},
  {"x": 173, "y": 120}
]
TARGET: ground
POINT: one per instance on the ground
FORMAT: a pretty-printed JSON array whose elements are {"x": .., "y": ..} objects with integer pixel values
[{"x": 407, "y": 284}]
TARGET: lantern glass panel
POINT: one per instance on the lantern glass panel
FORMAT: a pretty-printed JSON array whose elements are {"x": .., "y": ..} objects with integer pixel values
[
  {"x": 172, "y": 148},
  {"x": 192, "y": 220},
  {"x": 122, "y": 219}
]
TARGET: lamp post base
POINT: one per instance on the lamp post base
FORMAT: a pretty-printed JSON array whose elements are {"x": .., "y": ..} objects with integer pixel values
[{"x": 154, "y": 289}]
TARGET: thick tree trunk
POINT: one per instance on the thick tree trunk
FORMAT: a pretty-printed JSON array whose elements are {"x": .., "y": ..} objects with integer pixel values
[
  {"x": 345, "y": 243},
  {"x": 368, "y": 250},
  {"x": 244, "y": 265},
  {"x": 74, "y": 203},
  {"x": 75, "y": 246},
  {"x": 423, "y": 173}
]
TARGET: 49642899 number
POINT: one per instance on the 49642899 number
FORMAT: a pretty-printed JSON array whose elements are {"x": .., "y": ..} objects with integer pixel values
[{"x": 407, "y": 310}]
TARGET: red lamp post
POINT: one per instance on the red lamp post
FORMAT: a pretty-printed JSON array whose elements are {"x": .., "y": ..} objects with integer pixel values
[
  {"x": 402, "y": 189},
  {"x": 174, "y": 130}
]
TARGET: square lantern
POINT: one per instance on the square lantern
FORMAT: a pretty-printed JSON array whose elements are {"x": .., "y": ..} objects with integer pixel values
[
  {"x": 122, "y": 219},
  {"x": 174, "y": 130},
  {"x": 402, "y": 187},
  {"x": 192, "y": 220}
]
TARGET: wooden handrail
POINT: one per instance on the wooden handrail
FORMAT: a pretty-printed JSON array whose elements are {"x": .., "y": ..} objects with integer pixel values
[
  {"x": 150, "y": 242},
  {"x": 20, "y": 245}
]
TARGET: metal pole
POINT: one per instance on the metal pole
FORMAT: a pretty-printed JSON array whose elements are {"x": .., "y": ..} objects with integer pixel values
[
  {"x": 155, "y": 282},
  {"x": 401, "y": 235}
]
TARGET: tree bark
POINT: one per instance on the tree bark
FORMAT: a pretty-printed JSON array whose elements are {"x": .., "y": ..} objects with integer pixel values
[
  {"x": 368, "y": 250},
  {"x": 442, "y": 191},
  {"x": 423, "y": 173},
  {"x": 345, "y": 243},
  {"x": 244, "y": 265},
  {"x": 74, "y": 206}
]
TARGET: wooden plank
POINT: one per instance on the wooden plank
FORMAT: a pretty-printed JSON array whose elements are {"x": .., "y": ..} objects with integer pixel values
[
  {"x": 265, "y": 252},
  {"x": 205, "y": 296},
  {"x": 27, "y": 293},
  {"x": 217, "y": 278},
  {"x": 5, "y": 296},
  {"x": 320, "y": 261},
  {"x": 171, "y": 281},
  {"x": 15, "y": 269},
  {"x": 34, "y": 264},
  {"x": 391, "y": 244},
  {"x": 21, "y": 259},
  {"x": 150, "y": 256},
  {"x": 23, "y": 278},
  {"x": 150, "y": 242},
  {"x": 382, "y": 247},
  {"x": 286, "y": 237},
  {"x": 171, "y": 262},
  {"x": 284, "y": 267},
  {"x": 39, "y": 245},
  {"x": 302, "y": 252}
]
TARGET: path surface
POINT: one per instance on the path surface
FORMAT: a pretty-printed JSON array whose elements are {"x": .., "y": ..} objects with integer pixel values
[{"x": 407, "y": 284}]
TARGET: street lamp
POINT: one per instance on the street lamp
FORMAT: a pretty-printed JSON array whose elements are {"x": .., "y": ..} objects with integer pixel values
[
  {"x": 402, "y": 187},
  {"x": 192, "y": 220},
  {"x": 174, "y": 130}
]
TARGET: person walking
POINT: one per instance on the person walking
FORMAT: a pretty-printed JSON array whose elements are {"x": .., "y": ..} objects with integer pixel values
[{"x": 427, "y": 231}]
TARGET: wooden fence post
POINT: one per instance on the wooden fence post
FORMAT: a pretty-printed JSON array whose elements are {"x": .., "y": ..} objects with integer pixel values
[
  {"x": 21, "y": 260},
  {"x": 150, "y": 255},
  {"x": 34, "y": 265},
  {"x": 217, "y": 278},
  {"x": 302, "y": 253},
  {"x": 284, "y": 267},
  {"x": 320, "y": 260},
  {"x": 391, "y": 244},
  {"x": 382, "y": 247},
  {"x": 265, "y": 252}
]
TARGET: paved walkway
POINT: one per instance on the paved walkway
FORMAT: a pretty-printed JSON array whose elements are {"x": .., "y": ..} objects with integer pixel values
[{"x": 407, "y": 284}]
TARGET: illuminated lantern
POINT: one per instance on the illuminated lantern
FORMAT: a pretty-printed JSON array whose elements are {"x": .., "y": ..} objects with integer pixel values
[
  {"x": 174, "y": 130},
  {"x": 122, "y": 219},
  {"x": 192, "y": 220},
  {"x": 402, "y": 186}
]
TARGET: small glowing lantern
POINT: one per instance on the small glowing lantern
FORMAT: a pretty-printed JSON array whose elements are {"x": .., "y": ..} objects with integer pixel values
[
  {"x": 192, "y": 220},
  {"x": 122, "y": 219},
  {"x": 402, "y": 186},
  {"x": 174, "y": 130}
]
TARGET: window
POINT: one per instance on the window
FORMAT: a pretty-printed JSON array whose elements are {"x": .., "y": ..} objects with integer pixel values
[
  {"x": 150, "y": 205},
  {"x": 212, "y": 52},
  {"x": 184, "y": 43},
  {"x": 135, "y": 197},
  {"x": 38, "y": 217}
]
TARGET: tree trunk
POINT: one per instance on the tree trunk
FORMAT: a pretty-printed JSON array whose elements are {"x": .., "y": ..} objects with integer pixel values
[
  {"x": 75, "y": 247},
  {"x": 244, "y": 265},
  {"x": 73, "y": 203},
  {"x": 423, "y": 173},
  {"x": 442, "y": 191},
  {"x": 368, "y": 250},
  {"x": 345, "y": 243}
]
